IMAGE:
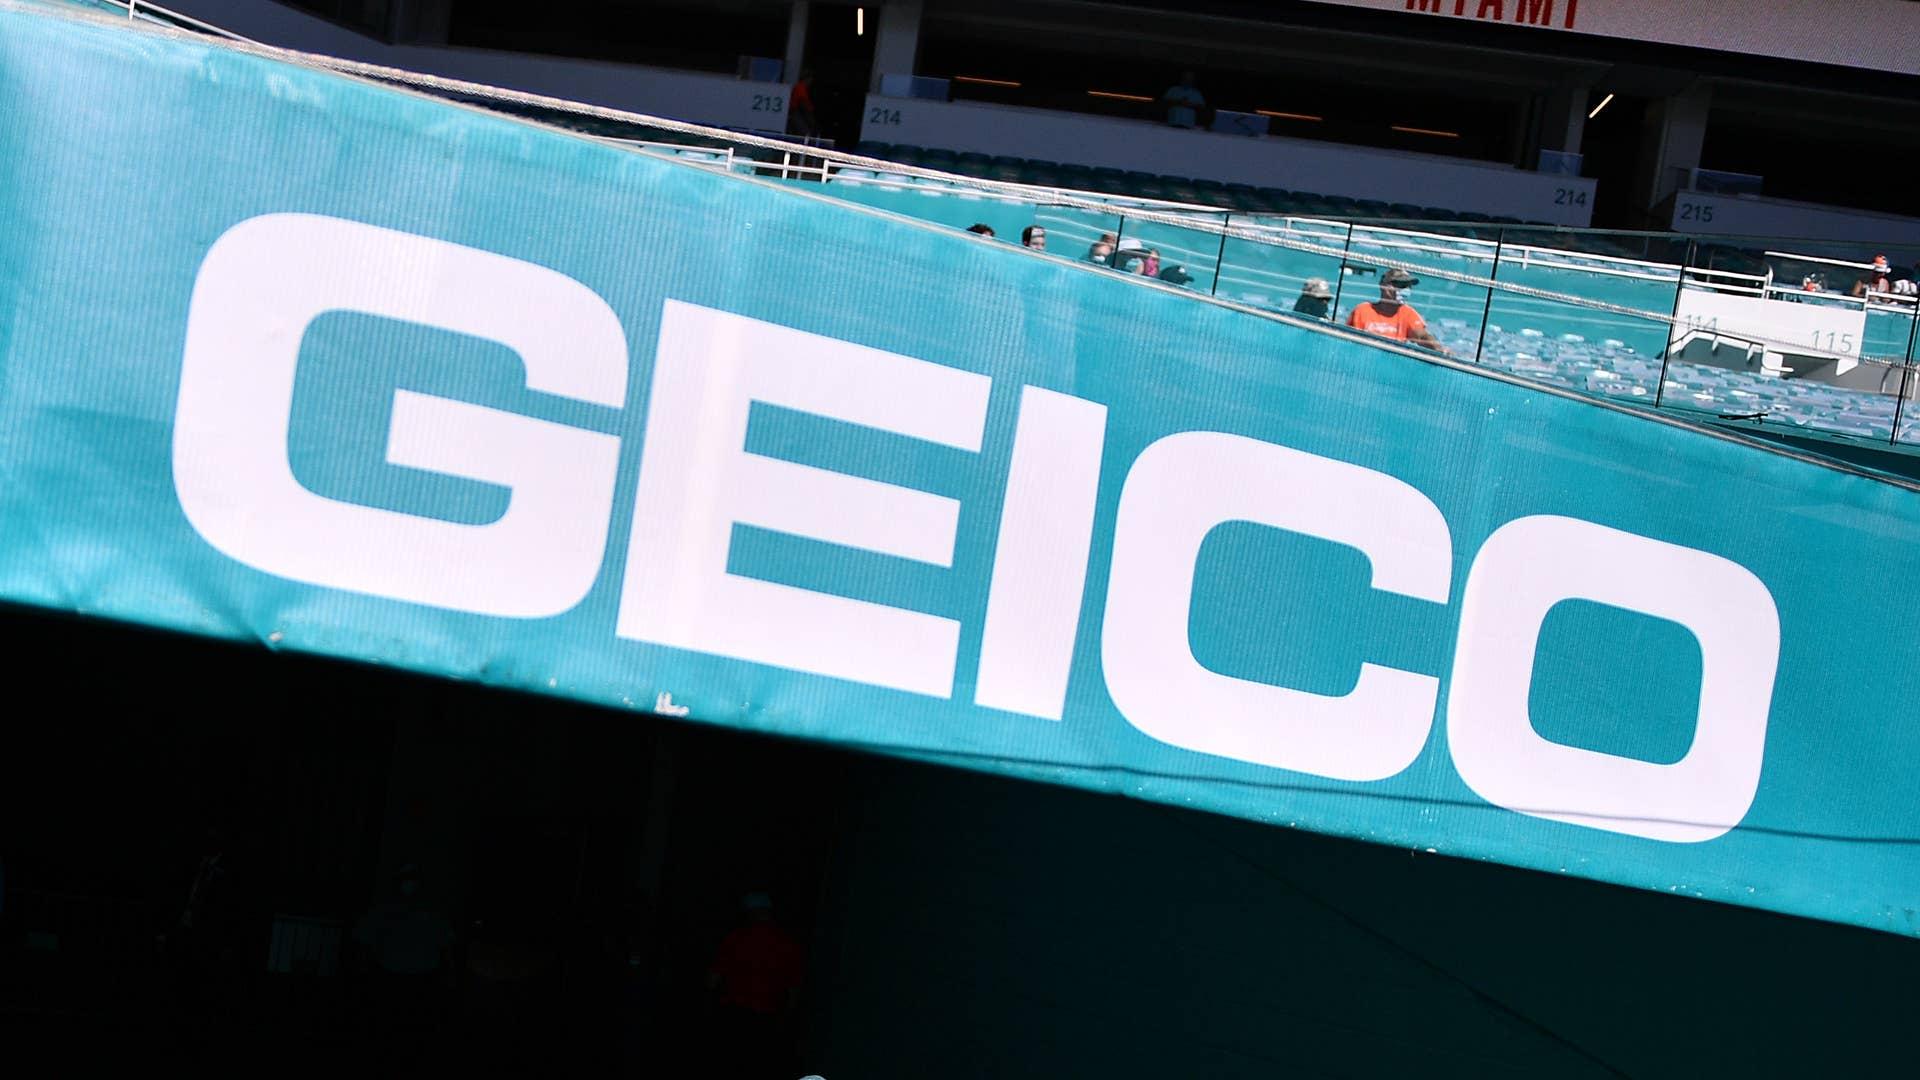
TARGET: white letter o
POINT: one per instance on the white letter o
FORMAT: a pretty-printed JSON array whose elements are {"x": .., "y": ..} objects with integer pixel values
[{"x": 1529, "y": 565}]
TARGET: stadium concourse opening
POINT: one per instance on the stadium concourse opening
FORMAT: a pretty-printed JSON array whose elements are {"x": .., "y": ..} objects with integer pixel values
[{"x": 220, "y": 855}]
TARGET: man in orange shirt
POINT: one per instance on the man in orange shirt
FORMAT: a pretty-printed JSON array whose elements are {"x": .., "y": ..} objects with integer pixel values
[{"x": 1391, "y": 317}]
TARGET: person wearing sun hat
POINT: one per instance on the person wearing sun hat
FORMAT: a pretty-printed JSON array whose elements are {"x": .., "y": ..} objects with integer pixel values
[
  {"x": 1875, "y": 279},
  {"x": 1315, "y": 300}
]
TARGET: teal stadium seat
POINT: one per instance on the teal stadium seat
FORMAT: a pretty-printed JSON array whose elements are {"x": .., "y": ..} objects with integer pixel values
[
  {"x": 973, "y": 164},
  {"x": 1076, "y": 176},
  {"x": 1139, "y": 184},
  {"x": 1147, "y": 188}
]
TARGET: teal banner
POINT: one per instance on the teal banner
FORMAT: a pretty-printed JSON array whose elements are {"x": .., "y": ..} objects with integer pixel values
[{"x": 291, "y": 358}]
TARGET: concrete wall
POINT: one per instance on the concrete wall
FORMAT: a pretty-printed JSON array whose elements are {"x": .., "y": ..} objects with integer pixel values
[{"x": 1746, "y": 215}]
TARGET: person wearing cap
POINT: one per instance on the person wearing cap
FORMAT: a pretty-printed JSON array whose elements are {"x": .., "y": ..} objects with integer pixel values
[
  {"x": 1392, "y": 317},
  {"x": 1875, "y": 279},
  {"x": 1316, "y": 299},
  {"x": 1176, "y": 274},
  {"x": 1126, "y": 254}
]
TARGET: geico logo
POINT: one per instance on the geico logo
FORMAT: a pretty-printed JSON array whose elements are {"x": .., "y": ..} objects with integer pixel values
[{"x": 268, "y": 277}]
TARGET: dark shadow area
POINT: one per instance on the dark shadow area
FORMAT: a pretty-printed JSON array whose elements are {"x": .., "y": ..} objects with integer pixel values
[
  {"x": 218, "y": 854},
  {"x": 221, "y": 858}
]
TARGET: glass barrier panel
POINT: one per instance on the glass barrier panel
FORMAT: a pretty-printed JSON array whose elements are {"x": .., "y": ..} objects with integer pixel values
[
  {"x": 1177, "y": 255},
  {"x": 1805, "y": 335},
  {"x": 1907, "y": 430},
  {"x": 1801, "y": 335},
  {"x": 943, "y": 204},
  {"x": 1906, "y": 426},
  {"x": 1270, "y": 261},
  {"x": 1586, "y": 337},
  {"x": 1072, "y": 231},
  {"x": 1453, "y": 311}
]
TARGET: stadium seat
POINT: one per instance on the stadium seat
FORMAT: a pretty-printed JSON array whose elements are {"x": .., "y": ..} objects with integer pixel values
[
  {"x": 973, "y": 164},
  {"x": 1135, "y": 183},
  {"x": 1146, "y": 187},
  {"x": 1076, "y": 176}
]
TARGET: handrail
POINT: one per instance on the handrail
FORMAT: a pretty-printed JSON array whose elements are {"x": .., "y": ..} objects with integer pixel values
[
  {"x": 1670, "y": 271},
  {"x": 1706, "y": 271},
  {"x": 133, "y": 9},
  {"x": 1872, "y": 300},
  {"x": 887, "y": 180},
  {"x": 1604, "y": 271},
  {"x": 1433, "y": 249},
  {"x": 1201, "y": 219},
  {"x": 1817, "y": 259},
  {"x": 679, "y": 151}
]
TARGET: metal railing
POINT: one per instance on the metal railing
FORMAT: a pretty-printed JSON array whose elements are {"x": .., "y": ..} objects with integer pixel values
[{"x": 1566, "y": 326}]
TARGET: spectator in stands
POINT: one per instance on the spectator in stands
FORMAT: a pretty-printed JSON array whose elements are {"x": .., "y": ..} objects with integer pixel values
[
  {"x": 1035, "y": 237},
  {"x": 1128, "y": 255},
  {"x": 800, "y": 118},
  {"x": 1183, "y": 102},
  {"x": 1316, "y": 299},
  {"x": 1176, "y": 275},
  {"x": 1150, "y": 266},
  {"x": 981, "y": 228},
  {"x": 1392, "y": 317},
  {"x": 1876, "y": 278},
  {"x": 1100, "y": 252}
]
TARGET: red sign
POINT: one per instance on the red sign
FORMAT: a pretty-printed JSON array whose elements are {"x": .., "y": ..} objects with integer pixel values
[
  {"x": 1525, "y": 12},
  {"x": 1875, "y": 35}
]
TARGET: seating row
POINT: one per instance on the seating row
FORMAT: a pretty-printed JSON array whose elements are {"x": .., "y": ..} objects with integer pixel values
[{"x": 1198, "y": 191}]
